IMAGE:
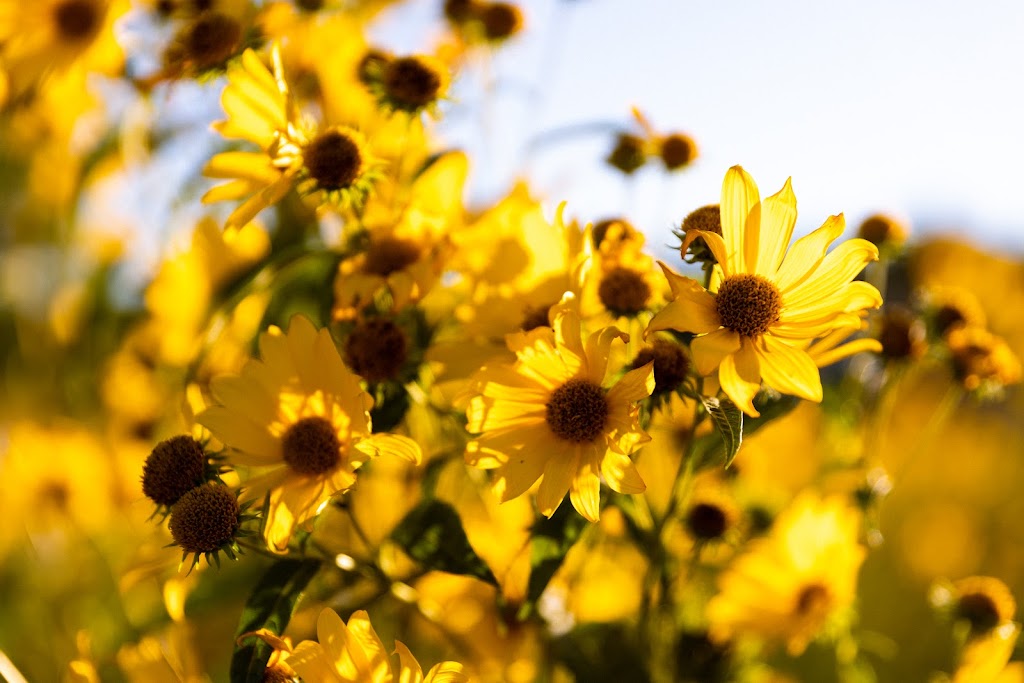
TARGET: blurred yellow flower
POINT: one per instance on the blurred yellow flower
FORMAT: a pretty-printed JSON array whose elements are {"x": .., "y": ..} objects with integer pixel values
[
  {"x": 788, "y": 585},
  {"x": 335, "y": 162},
  {"x": 354, "y": 653},
  {"x": 549, "y": 416},
  {"x": 300, "y": 416},
  {"x": 985, "y": 660},
  {"x": 771, "y": 303}
]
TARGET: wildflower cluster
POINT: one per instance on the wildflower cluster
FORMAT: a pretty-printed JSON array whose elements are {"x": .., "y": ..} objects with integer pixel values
[{"x": 510, "y": 433}]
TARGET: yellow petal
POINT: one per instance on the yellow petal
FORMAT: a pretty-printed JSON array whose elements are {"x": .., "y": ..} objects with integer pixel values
[
  {"x": 599, "y": 346},
  {"x": 739, "y": 375},
  {"x": 409, "y": 668},
  {"x": 823, "y": 357},
  {"x": 778, "y": 216},
  {"x": 635, "y": 385},
  {"x": 447, "y": 672},
  {"x": 838, "y": 268},
  {"x": 848, "y": 298},
  {"x": 254, "y": 166},
  {"x": 739, "y": 196},
  {"x": 585, "y": 492},
  {"x": 520, "y": 473},
  {"x": 693, "y": 310},
  {"x": 621, "y": 474},
  {"x": 309, "y": 660},
  {"x": 807, "y": 252},
  {"x": 559, "y": 473},
  {"x": 238, "y": 432},
  {"x": 360, "y": 630},
  {"x": 709, "y": 350},
  {"x": 788, "y": 369},
  {"x": 391, "y": 444}
]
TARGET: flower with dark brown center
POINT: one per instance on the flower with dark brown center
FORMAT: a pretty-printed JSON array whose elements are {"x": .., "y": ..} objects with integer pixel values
[
  {"x": 211, "y": 39},
  {"x": 310, "y": 5},
  {"x": 901, "y": 335},
  {"x": 205, "y": 519},
  {"x": 881, "y": 230},
  {"x": 376, "y": 349},
  {"x": 77, "y": 20},
  {"x": 978, "y": 609},
  {"x": 624, "y": 291},
  {"x": 371, "y": 67},
  {"x": 748, "y": 304},
  {"x": 534, "y": 317},
  {"x": 707, "y": 521},
  {"x": 670, "y": 364},
  {"x": 706, "y": 218},
  {"x": 947, "y": 317},
  {"x": 601, "y": 229},
  {"x": 628, "y": 154},
  {"x": 174, "y": 467},
  {"x": 333, "y": 159},
  {"x": 577, "y": 411},
  {"x": 677, "y": 150},
  {"x": 278, "y": 673},
  {"x": 311, "y": 446},
  {"x": 411, "y": 83},
  {"x": 387, "y": 255},
  {"x": 501, "y": 20},
  {"x": 460, "y": 11},
  {"x": 984, "y": 602}
]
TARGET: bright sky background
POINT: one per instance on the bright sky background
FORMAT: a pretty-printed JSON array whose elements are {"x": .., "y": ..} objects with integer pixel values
[{"x": 913, "y": 108}]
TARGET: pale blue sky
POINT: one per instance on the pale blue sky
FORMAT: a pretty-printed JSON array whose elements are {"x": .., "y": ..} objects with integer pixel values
[{"x": 914, "y": 108}]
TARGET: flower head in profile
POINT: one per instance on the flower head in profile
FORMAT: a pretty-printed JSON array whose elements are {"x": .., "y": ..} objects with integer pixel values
[
  {"x": 298, "y": 416},
  {"x": 332, "y": 162},
  {"x": 550, "y": 416},
  {"x": 789, "y": 585},
  {"x": 353, "y": 653},
  {"x": 774, "y": 301}
]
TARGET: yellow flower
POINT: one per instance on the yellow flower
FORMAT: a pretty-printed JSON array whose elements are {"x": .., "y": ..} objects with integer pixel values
[
  {"x": 301, "y": 416},
  {"x": 549, "y": 416},
  {"x": 333, "y": 162},
  {"x": 985, "y": 660},
  {"x": 48, "y": 35},
  {"x": 771, "y": 304},
  {"x": 789, "y": 584},
  {"x": 981, "y": 360},
  {"x": 354, "y": 653}
]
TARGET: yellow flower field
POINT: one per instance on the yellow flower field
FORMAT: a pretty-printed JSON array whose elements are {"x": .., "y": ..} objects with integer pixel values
[{"x": 300, "y": 383}]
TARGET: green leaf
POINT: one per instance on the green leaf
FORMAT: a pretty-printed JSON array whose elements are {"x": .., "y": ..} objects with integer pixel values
[
  {"x": 551, "y": 539},
  {"x": 728, "y": 421},
  {"x": 270, "y": 606},
  {"x": 432, "y": 534},
  {"x": 390, "y": 404}
]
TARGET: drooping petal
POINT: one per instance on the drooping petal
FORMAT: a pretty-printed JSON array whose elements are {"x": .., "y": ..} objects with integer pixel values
[
  {"x": 807, "y": 252},
  {"x": 446, "y": 672},
  {"x": 824, "y": 357},
  {"x": 849, "y": 298},
  {"x": 621, "y": 474},
  {"x": 838, "y": 268},
  {"x": 740, "y": 377},
  {"x": 739, "y": 196},
  {"x": 391, "y": 444},
  {"x": 778, "y": 216},
  {"x": 558, "y": 476},
  {"x": 788, "y": 369},
  {"x": 585, "y": 491},
  {"x": 598, "y": 350},
  {"x": 709, "y": 350}
]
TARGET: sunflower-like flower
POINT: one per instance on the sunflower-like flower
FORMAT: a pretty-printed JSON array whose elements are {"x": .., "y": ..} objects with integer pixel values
[
  {"x": 299, "y": 415},
  {"x": 791, "y": 583},
  {"x": 353, "y": 653},
  {"x": 51, "y": 35},
  {"x": 549, "y": 416},
  {"x": 334, "y": 162},
  {"x": 771, "y": 304}
]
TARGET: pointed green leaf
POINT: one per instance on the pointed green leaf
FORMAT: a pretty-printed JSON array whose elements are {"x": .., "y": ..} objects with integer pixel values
[
  {"x": 728, "y": 421},
  {"x": 270, "y": 606},
  {"x": 550, "y": 541},
  {"x": 432, "y": 534}
]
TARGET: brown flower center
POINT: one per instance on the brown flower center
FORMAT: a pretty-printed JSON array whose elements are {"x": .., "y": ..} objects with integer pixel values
[
  {"x": 411, "y": 83},
  {"x": 947, "y": 317},
  {"x": 311, "y": 446},
  {"x": 534, "y": 317},
  {"x": 500, "y": 20},
  {"x": 77, "y": 19},
  {"x": 670, "y": 364},
  {"x": 628, "y": 154},
  {"x": 707, "y": 218},
  {"x": 211, "y": 39},
  {"x": 706, "y": 521},
  {"x": 980, "y": 610},
  {"x": 371, "y": 67},
  {"x": 388, "y": 255},
  {"x": 333, "y": 159},
  {"x": 814, "y": 599},
  {"x": 204, "y": 519},
  {"x": 624, "y": 291},
  {"x": 310, "y": 5},
  {"x": 577, "y": 411},
  {"x": 278, "y": 674},
  {"x": 677, "y": 150},
  {"x": 175, "y": 467},
  {"x": 601, "y": 229},
  {"x": 376, "y": 349},
  {"x": 748, "y": 304}
]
